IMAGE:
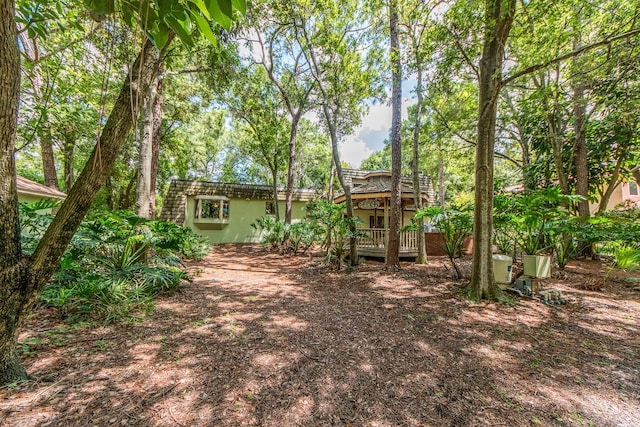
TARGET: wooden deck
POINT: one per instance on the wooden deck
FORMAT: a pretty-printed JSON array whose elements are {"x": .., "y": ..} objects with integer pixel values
[{"x": 374, "y": 243}]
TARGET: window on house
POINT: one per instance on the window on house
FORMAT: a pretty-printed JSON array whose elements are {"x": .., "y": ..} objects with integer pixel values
[
  {"x": 633, "y": 189},
  {"x": 212, "y": 207},
  {"x": 269, "y": 208}
]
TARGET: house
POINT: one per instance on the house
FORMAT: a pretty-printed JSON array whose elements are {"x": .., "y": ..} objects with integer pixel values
[
  {"x": 224, "y": 212},
  {"x": 626, "y": 194},
  {"x": 30, "y": 191},
  {"x": 371, "y": 195}
]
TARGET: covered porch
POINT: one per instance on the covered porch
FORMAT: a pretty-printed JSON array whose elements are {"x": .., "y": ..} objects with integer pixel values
[{"x": 371, "y": 195}]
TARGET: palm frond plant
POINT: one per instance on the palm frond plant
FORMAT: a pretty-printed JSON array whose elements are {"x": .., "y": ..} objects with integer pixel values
[{"x": 455, "y": 225}]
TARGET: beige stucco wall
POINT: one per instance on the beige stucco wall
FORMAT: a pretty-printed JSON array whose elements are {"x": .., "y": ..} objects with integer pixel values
[
  {"x": 242, "y": 213},
  {"x": 27, "y": 198},
  {"x": 620, "y": 195},
  {"x": 30, "y": 198}
]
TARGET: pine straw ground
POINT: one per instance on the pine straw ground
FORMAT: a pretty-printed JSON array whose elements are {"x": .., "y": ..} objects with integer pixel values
[{"x": 264, "y": 340}]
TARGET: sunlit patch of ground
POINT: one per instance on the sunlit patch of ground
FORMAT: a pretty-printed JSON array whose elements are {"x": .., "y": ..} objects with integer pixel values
[{"x": 259, "y": 339}]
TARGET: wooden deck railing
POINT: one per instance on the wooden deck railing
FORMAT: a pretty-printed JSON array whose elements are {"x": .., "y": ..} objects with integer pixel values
[{"x": 376, "y": 238}]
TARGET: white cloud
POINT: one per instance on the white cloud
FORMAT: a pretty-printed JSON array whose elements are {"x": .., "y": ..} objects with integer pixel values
[
  {"x": 353, "y": 151},
  {"x": 370, "y": 135}
]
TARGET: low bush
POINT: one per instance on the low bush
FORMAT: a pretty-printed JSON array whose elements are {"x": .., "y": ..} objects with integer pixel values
[
  {"x": 115, "y": 264},
  {"x": 455, "y": 224}
]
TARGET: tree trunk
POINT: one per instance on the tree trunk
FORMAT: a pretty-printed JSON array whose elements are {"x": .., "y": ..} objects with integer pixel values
[
  {"x": 145, "y": 160},
  {"x": 69, "y": 154},
  {"x": 498, "y": 18},
  {"x": 274, "y": 181},
  {"x": 353, "y": 241},
  {"x": 441, "y": 192},
  {"x": 48, "y": 160},
  {"x": 614, "y": 181},
  {"x": 155, "y": 143},
  {"x": 42, "y": 132},
  {"x": 393, "y": 239},
  {"x": 417, "y": 193},
  {"x": 22, "y": 278},
  {"x": 12, "y": 265},
  {"x": 124, "y": 201},
  {"x": 295, "y": 119},
  {"x": 332, "y": 174},
  {"x": 581, "y": 159},
  {"x": 109, "y": 190}
]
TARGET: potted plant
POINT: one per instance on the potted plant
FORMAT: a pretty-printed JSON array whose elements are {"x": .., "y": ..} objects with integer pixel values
[{"x": 536, "y": 212}]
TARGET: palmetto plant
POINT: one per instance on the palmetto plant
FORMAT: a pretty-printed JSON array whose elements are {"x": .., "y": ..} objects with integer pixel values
[
  {"x": 117, "y": 263},
  {"x": 455, "y": 225}
]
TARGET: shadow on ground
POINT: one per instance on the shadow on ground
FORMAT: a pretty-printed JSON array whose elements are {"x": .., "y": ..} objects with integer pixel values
[{"x": 259, "y": 339}]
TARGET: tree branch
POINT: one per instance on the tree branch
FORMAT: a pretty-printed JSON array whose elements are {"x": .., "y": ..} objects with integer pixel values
[{"x": 569, "y": 55}]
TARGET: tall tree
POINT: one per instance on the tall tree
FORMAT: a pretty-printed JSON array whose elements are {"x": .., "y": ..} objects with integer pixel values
[
  {"x": 392, "y": 260},
  {"x": 283, "y": 59},
  {"x": 415, "y": 20},
  {"x": 255, "y": 102},
  {"x": 330, "y": 33},
  {"x": 498, "y": 17},
  {"x": 146, "y": 133},
  {"x": 22, "y": 276}
]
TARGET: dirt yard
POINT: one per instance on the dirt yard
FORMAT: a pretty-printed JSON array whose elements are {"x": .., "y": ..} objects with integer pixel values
[{"x": 263, "y": 340}]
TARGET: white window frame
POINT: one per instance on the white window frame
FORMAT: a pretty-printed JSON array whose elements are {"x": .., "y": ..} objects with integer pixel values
[{"x": 197, "y": 214}]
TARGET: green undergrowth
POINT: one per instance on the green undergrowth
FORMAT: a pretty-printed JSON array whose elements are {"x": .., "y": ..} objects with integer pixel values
[{"x": 115, "y": 265}]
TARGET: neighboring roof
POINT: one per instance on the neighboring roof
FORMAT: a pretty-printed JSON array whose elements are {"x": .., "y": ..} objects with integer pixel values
[
  {"x": 174, "y": 205},
  {"x": 515, "y": 189},
  {"x": 26, "y": 186}
]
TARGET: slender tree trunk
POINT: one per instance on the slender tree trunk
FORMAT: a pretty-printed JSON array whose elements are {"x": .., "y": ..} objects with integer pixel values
[
  {"x": 581, "y": 159},
  {"x": 332, "y": 174},
  {"x": 48, "y": 160},
  {"x": 155, "y": 144},
  {"x": 614, "y": 181},
  {"x": 417, "y": 193},
  {"x": 393, "y": 239},
  {"x": 43, "y": 134},
  {"x": 441, "y": 190},
  {"x": 125, "y": 201},
  {"x": 69, "y": 154},
  {"x": 109, "y": 189},
  {"x": 12, "y": 263},
  {"x": 22, "y": 278},
  {"x": 295, "y": 119},
  {"x": 353, "y": 241},
  {"x": 331, "y": 119},
  {"x": 498, "y": 18},
  {"x": 274, "y": 180},
  {"x": 145, "y": 159}
]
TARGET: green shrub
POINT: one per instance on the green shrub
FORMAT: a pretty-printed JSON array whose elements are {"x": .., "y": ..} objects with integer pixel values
[
  {"x": 288, "y": 238},
  {"x": 455, "y": 224},
  {"x": 335, "y": 229},
  {"x": 116, "y": 263}
]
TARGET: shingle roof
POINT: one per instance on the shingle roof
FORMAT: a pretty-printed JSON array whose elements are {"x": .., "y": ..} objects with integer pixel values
[
  {"x": 26, "y": 186},
  {"x": 174, "y": 205},
  {"x": 379, "y": 182}
]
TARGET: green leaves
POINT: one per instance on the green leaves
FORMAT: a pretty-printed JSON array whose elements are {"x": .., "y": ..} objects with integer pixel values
[{"x": 187, "y": 19}]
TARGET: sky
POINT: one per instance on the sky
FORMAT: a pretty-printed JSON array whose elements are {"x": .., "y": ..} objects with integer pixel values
[{"x": 369, "y": 137}]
